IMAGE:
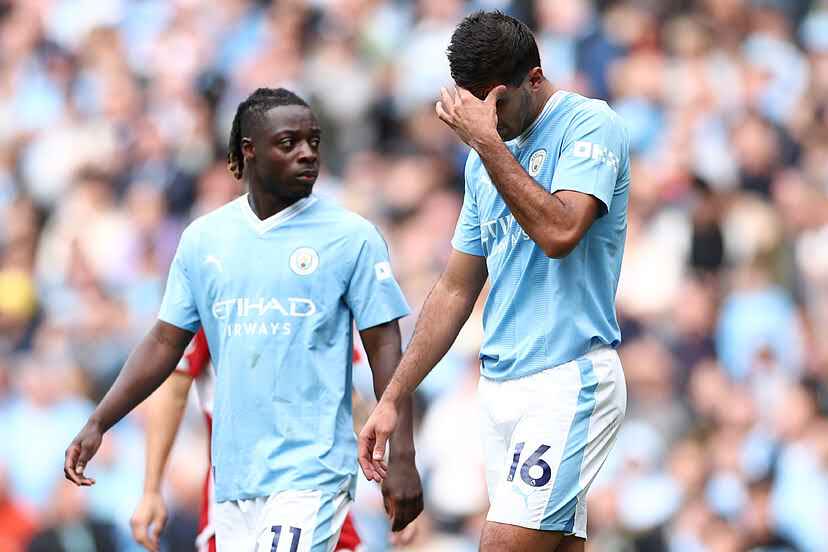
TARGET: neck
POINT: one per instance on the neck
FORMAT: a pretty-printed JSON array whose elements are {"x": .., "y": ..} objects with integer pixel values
[
  {"x": 543, "y": 95},
  {"x": 266, "y": 203}
]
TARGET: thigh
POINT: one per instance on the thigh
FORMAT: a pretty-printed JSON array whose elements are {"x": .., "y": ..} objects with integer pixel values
[
  {"x": 499, "y": 537},
  {"x": 559, "y": 444},
  {"x": 572, "y": 544},
  {"x": 301, "y": 521},
  {"x": 498, "y": 417}
]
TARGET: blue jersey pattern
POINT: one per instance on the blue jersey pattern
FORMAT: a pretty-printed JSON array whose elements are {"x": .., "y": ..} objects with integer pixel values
[
  {"x": 542, "y": 312},
  {"x": 278, "y": 300}
]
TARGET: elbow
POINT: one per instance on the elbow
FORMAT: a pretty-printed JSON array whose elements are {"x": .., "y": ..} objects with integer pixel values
[{"x": 559, "y": 245}]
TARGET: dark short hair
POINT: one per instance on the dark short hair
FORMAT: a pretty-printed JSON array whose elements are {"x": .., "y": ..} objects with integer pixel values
[
  {"x": 491, "y": 48},
  {"x": 250, "y": 113}
]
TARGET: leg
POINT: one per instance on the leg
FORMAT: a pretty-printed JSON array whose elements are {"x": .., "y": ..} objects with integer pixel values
[
  {"x": 572, "y": 544},
  {"x": 500, "y": 537}
]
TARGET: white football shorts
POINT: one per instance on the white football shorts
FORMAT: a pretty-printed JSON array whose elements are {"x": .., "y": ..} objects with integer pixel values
[
  {"x": 546, "y": 435},
  {"x": 291, "y": 521}
]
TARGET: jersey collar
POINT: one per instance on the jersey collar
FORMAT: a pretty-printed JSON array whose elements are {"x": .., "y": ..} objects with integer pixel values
[
  {"x": 550, "y": 105},
  {"x": 271, "y": 222}
]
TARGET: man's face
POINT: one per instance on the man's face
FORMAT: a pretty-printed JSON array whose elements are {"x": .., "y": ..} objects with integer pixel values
[
  {"x": 283, "y": 152},
  {"x": 513, "y": 112}
]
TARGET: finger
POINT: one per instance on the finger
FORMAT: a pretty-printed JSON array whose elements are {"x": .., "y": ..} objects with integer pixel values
[
  {"x": 495, "y": 94},
  {"x": 380, "y": 471},
  {"x": 69, "y": 464},
  {"x": 379, "y": 446},
  {"x": 389, "y": 505},
  {"x": 447, "y": 101},
  {"x": 364, "y": 446},
  {"x": 155, "y": 532},
  {"x": 139, "y": 529},
  {"x": 443, "y": 114}
]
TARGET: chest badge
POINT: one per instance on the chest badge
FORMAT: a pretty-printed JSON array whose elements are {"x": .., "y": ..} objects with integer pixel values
[
  {"x": 536, "y": 162},
  {"x": 304, "y": 261}
]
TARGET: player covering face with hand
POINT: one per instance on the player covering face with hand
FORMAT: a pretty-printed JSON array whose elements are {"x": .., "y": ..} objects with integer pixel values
[
  {"x": 276, "y": 279},
  {"x": 544, "y": 218}
]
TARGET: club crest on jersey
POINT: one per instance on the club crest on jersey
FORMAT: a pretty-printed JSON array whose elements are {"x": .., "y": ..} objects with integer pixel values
[
  {"x": 536, "y": 162},
  {"x": 304, "y": 261}
]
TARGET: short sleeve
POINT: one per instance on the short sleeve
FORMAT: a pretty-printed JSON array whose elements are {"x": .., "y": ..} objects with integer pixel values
[
  {"x": 467, "y": 232},
  {"x": 373, "y": 294},
  {"x": 196, "y": 356},
  {"x": 593, "y": 149},
  {"x": 179, "y": 305}
]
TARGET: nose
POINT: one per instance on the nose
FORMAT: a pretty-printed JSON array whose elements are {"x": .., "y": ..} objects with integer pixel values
[{"x": 307, "y": 153}]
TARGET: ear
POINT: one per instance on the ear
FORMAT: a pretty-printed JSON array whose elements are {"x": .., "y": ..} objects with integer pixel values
[
  {"x": 535, "y": 78},
  {"x": 248, "y": 149}
]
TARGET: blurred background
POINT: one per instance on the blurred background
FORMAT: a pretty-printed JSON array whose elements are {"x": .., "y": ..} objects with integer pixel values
[{"x": 114, "y": 119}]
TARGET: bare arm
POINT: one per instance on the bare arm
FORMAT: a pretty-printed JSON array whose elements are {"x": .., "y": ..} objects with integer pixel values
[
  {"x": 402, "y": 491},
  {"x": 446, "y": 309},
  {"x": 383, "y": 346},
  {"x": 166, "y": 408},
  {"x": 147, "y": 367},
  {"x": 555, "y": 222}
]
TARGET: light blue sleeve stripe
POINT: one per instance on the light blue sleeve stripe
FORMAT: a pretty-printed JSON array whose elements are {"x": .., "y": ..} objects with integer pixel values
[{"x": 560, "y": 511}]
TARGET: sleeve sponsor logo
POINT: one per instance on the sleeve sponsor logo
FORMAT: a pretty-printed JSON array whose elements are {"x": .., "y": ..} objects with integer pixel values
[
  {"x": 587, "y": 150},
  {"x": 382, "y": 270}
]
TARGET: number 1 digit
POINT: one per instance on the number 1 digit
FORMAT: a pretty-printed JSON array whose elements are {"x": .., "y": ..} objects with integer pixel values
[
  {"x": 277, "y": 532},
  {"x": 295, "y": 533},
  {"x": 515, "y": 461}
]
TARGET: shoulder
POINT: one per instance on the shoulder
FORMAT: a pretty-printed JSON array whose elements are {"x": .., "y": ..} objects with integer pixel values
[
  {"x": 353, "y": 225},
  {"x": 591, "y": 113}
]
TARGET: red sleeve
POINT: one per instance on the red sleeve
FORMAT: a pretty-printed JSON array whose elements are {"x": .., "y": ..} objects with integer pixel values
[{"x": 196, "y": 356}]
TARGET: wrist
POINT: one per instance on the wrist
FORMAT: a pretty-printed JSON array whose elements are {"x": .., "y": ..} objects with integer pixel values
[
  {"x": 95, "y": 424},
  {"x": 402, "y": 455},
  {"x": 488, "y": 142},
  {"x": 152, "y": 488},
  {"x": 392, "y": 396}
]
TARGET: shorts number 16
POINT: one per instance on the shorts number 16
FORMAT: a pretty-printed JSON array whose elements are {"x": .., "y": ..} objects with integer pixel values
[{"x": 533, "y": 460}]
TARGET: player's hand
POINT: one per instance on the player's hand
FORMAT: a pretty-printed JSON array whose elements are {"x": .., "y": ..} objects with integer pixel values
[
  {"x": 80, "y": 451},
  {"x": 373, "y": 440},
  {"x": 473, "y": 120},
  {"x": 402, "y": 493},
  {"x": 148, "y": 521}
]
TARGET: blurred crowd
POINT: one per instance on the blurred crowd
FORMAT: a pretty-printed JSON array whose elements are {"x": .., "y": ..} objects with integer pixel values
[{"x": 114, "y": 119}]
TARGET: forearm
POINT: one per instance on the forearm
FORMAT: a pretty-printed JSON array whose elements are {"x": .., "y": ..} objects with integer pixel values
[
  {"x": 146, "y": 368},
  {"x": 545, "y": 217},
  {"x": 445, "y": 311},
  {"x": 385, "y": 360},
  {"x": 166, "y": 408}
]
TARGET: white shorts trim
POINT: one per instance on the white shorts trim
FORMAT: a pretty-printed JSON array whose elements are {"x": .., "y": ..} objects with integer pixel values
[{"x": 545, "y": 437}]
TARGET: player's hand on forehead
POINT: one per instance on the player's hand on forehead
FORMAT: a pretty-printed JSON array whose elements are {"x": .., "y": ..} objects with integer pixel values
[{"x": 472, "y": 119}]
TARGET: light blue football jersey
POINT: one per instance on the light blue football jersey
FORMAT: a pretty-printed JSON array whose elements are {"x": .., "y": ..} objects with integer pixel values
[
  {"x": 277, "y": 299},
  {"x": 542, "y": 312}
]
